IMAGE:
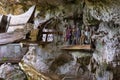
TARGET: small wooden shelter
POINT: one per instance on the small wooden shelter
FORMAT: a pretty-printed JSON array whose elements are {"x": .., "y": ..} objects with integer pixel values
[{"x": 45, "y": 33}]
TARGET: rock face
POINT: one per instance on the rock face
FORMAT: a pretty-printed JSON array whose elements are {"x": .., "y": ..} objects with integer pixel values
[
  {"x": 107, "y": 42},
  {"x": 104, "y": 64},
  {"x": 104, "y": 10},
  {"x": 35, "y": 58},
  {"x": 11, "y": 72},
  {"x": 107, "y": 52},
  {"x": 107, "y": 45},
  {"x": 63, "y": 65}
]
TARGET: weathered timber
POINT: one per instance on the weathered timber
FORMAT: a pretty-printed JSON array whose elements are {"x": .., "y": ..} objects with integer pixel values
[
  {"x": 26, "y": 17},
  {"x": 22, "y": 24},
  {"x": 31, "y": 70},
  {"x": 19, "y": 21},
  {"x": 77, "y": 47},
  {"x": 54, "y": 32},
  {"x": 3, "y": 24},
  {"x": 6, "y": 38},
  {"x": 41, "y": 27}
]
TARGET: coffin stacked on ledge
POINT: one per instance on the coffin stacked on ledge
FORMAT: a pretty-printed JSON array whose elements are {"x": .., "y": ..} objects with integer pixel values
[
  {"x": 9, "y": 24},
  {"x": 13, "y": 29}
]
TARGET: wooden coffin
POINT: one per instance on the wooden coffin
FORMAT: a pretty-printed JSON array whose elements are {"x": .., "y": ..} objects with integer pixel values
[
  {"x": 18, "y": 21},
  {"x": 9, "y": 23},
  {"x": 6, "y": 38}
]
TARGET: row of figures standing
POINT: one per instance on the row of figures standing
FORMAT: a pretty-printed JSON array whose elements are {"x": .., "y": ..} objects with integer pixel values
[{"x": 76, "y": 36}]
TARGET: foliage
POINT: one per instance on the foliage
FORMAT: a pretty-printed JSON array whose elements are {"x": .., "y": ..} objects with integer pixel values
[{"x": 4, "y": 59}]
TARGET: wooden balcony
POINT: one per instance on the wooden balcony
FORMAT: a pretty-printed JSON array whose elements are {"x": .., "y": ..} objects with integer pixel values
[{"x": 77, "y": 48}]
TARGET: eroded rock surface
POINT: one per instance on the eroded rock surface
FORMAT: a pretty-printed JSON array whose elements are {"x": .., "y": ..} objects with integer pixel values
[{"x": 11, "y": 72}]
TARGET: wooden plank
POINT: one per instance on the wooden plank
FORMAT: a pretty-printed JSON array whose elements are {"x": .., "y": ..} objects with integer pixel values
[
  {"x": 33, "y": 34},
  {"x": 77, "y": 47},
  {"x": 22, "y": 24},
  {"x": 54, "y": 32},
  {"x": 11, "y": 37},
  {"x": 46, "y": 38},
  {"x": 31, "y": 70}
]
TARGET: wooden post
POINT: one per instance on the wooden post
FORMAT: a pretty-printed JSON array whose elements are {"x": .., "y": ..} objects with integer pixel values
[{"x": 46, "y": 37}]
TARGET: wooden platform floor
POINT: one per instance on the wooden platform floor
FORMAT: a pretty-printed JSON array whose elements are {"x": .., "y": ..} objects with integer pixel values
[{"x": 77, "y": 47}]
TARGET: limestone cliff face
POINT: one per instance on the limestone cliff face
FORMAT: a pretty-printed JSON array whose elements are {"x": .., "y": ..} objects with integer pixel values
[
  {"x": 103, "y": 13},
  {"x": 108, "y": 38},
  {"x": 104, "y": 10},
  {"x": 107, "y": 42}
]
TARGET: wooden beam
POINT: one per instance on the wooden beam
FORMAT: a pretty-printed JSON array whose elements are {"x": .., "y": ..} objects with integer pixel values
[
  {"x": 17, "y": 24},
  {"x": 77, "y": 47},
  {"x": 54, "y": 32},
  {"x": 28, "y": 68},
  {"x": 6, "y": 38},
  {"x": 46, "y": 38},
  {"x": 42, "y": 25}
]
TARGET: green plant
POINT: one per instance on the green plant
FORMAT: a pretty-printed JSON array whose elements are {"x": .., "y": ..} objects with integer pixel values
[{"x": 4, "y": 59}]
